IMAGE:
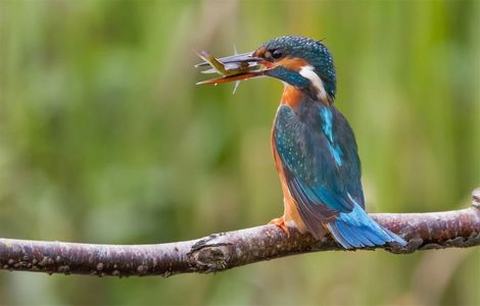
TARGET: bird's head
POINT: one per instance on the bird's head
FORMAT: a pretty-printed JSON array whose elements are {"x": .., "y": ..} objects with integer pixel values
[{"x": 298, "y": 61}]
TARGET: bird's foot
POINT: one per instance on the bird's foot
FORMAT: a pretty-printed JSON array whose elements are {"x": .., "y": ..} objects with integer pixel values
[{"x": 280, "y": 222}]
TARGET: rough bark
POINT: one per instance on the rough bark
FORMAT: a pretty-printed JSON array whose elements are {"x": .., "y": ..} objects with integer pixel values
[{"x": 222, "y": 251}]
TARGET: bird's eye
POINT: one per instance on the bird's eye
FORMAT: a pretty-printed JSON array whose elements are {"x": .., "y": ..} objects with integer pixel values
[
  {"x": 273, "y": 54},
  {"x": 276, "y": 54}
]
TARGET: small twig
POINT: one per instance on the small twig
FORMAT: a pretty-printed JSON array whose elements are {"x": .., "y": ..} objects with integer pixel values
[{"x": 217, "y": 252}]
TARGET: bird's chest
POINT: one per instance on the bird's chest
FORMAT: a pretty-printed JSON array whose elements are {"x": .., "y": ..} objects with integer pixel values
[{"x": 292, "y": 97}]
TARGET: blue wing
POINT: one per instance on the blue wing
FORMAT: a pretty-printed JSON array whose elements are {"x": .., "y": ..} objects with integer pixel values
[
  {"x": 318, "y": 152},
  {"x": 320, "y": 157}
]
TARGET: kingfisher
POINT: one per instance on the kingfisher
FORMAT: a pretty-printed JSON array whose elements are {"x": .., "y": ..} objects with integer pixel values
[{"x": 313, "y": 145}]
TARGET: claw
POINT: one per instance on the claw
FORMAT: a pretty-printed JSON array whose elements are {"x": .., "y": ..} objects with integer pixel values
[{"x": 280, "y": 222}]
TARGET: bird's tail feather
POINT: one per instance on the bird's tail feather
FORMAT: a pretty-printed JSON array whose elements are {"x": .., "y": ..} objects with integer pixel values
[{"x": 356, "y": 230}]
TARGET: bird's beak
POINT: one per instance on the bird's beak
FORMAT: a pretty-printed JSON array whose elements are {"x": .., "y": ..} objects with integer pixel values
[{"x": 231, "y": 68}]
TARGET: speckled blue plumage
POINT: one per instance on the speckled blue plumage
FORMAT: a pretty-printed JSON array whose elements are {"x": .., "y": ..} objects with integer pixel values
[{"x": 318, "y": 152}]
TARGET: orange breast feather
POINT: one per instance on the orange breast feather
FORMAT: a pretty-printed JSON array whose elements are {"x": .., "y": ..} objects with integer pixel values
[
  {"x": 291, "y": 96},
  {"x": 290, "y": 205}
]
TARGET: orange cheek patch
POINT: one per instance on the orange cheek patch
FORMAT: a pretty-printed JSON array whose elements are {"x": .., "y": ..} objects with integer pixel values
[{"x": 292, "y": 63}]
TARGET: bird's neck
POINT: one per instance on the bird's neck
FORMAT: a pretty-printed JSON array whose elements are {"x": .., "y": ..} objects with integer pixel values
[{"x": 294, "y": 97}]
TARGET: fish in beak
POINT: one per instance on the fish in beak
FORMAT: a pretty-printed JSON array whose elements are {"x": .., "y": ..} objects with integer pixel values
[{"x": 233, "y": 68}]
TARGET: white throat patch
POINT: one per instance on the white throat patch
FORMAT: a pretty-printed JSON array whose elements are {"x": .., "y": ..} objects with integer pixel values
[{"x": 309, "y": 73}]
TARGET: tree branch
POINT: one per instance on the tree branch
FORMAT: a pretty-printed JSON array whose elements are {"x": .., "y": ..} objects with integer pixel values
[{"x": 217, "y": 252}]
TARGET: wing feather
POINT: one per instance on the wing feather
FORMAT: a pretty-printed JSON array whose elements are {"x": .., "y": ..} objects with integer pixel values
[{"x": 321, "y": 186}]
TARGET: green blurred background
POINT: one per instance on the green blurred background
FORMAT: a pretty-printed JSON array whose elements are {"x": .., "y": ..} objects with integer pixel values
[{"x": 105, "y": 138}]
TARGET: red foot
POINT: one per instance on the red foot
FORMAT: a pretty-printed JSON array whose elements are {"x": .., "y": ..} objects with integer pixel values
[{"x": 280, "y": 222}]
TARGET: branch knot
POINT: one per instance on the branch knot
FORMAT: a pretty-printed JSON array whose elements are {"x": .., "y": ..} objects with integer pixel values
[{"x": 210, "y": 254}]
